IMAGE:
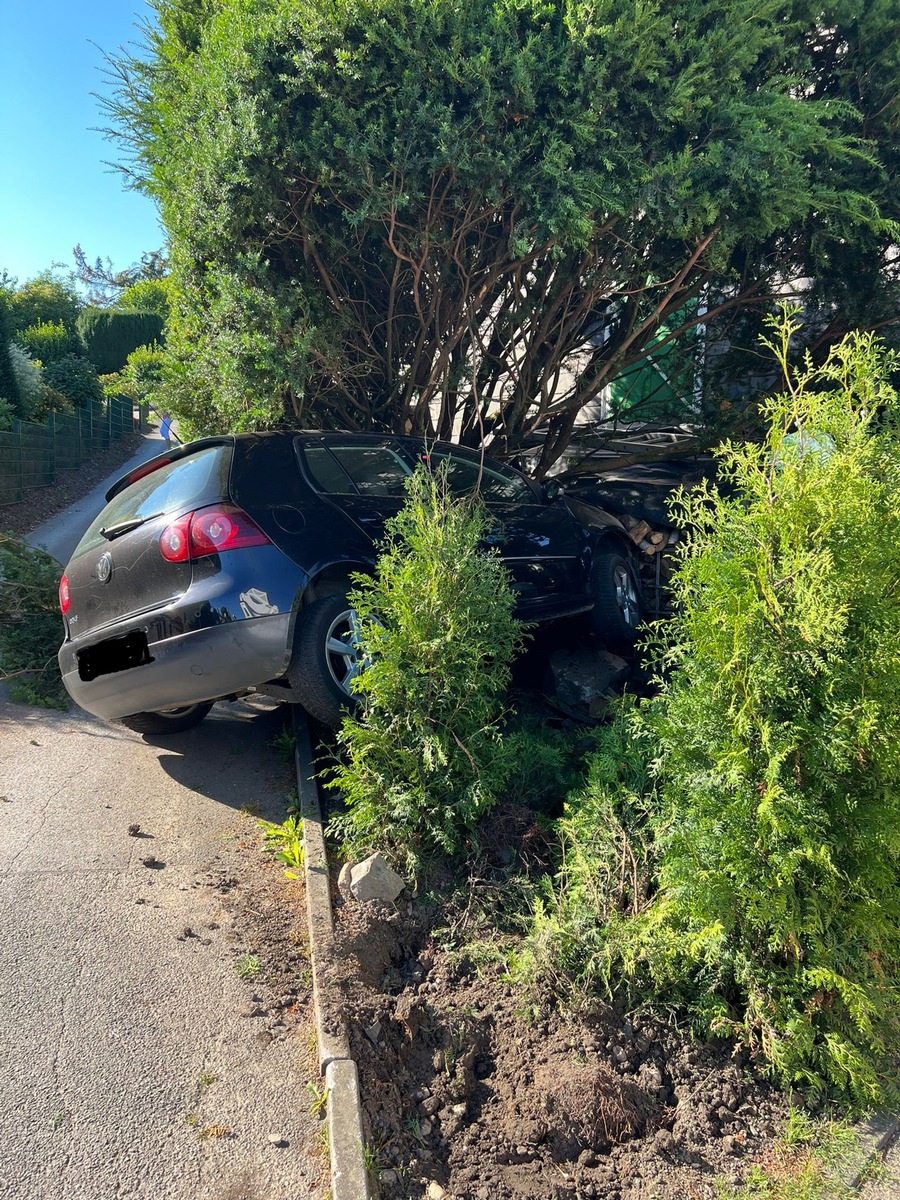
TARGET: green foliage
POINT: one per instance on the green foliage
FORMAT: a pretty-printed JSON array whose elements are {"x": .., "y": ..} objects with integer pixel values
[
  {"x": 143, "y": 373},
  {"x": 30, "y": 628},
  {"x": 318, "y": 1105},
  {"x": 392, "y": 211},
  {"x": 283, "y": 743},
  {"x": 425, "y": 759},
  {"x": 248, "y": 966},
  {"x": 606, "y": 872},
  {"x": 146, "y": 296},
  {"x": 44, "y": 301},
  {"x": 780, "y": 831},
  {"x": 806, "y": 1163},
  {"x": 776, "y": 735},
  {"x": 76, "y": 378},
  {"x": 48, "y": 342},
  {"x": 285, "y": 842},
  {"x": 110, "y": 335},
  {"x": 9, "y": 387},
  {"x": 848, "y": 52},
  {"x": 105, "y": 286},
  {"x": 51, "y": 400},
  {"x": 545, "y": 764},
  {"x": 115, "y": 384},
  {"x": 28, "y": 381}
]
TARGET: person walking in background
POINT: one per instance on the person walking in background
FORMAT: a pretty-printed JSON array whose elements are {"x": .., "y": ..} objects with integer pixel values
[{"x": 165, "y": 429}]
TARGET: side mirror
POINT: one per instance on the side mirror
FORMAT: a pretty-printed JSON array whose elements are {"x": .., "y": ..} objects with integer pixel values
[{"x": 551, "y": 489}]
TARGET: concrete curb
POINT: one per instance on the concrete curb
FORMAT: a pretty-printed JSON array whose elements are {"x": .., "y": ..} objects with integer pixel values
[{"x": 349, "y": 1179}]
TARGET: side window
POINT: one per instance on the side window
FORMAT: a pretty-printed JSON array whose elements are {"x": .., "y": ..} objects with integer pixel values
[
  {"x": 326, "y": 472},
  {"x": 376, "y": 470},
  {"x": 496, "y": 484}
]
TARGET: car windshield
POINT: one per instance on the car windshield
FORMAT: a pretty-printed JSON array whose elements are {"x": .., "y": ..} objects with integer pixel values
[{"x": 191, "y": 482}]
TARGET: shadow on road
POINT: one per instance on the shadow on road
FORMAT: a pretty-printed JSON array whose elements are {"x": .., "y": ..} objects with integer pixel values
[{"x": 226, "y": 758}]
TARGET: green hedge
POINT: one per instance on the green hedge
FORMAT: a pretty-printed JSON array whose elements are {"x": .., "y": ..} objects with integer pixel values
[{"x": 109, "y": 336}]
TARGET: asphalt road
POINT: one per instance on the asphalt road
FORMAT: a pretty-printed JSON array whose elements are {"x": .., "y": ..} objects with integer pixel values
[{"x": 130, "y": 1065}]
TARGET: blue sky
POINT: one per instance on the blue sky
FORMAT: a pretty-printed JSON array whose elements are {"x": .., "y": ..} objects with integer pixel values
[{"x": 55, "y": 189}]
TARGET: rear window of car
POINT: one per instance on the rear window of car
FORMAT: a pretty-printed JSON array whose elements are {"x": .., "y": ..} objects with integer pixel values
[
  {"x": 187, "y": 483},
  {"x": 366, "y": 470}
]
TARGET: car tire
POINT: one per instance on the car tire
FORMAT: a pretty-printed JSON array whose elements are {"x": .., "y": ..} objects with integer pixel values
[
  {"x": 326, "y": 659},
  {"x": 170, "y": 720},
  {"x": 617, "y": 600}
]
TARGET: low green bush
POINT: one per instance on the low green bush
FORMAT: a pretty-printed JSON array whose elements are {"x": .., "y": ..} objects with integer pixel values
[
  {"x": 425, "y": 759},
  {"x": 28, "y": 382},
  {"x": 9, "y": 387},
  {"x": 51, "y": 400},
  {"x": 47, "y": 341},
  {"x": 606, "y": 871},
  {"x": 775, "y": 743},
  {"x": 30, "y": 624},
  {"x": 76, "y": 378}
]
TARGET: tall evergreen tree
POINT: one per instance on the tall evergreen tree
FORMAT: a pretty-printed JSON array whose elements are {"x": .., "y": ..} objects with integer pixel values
[{"x": 465, "y": 220}]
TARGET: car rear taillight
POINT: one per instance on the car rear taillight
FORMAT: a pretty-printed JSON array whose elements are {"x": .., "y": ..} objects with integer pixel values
[
  {"x": 209, "y": 531},
  {"x": 64, "y": 598},
  {"x": 175, "y": 540}
]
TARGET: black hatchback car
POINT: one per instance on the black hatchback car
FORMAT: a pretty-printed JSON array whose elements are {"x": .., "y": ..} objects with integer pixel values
[{"x": 223, "y": 567}]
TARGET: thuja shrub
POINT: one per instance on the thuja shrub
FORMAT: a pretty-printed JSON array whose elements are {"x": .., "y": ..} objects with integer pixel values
[
  {"x": 774, "y": 916},
  {"x": 778, "y": 910},
  {"x": 424, "y": 760},
  {"x": 30, "y": 627}
]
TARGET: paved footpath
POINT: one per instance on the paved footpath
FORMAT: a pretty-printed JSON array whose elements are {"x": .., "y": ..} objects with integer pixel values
[{"x": 127, "y": 1069}]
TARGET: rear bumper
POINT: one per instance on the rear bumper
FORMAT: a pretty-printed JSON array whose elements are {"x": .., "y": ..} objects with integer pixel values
[{"x": 202, "y": 665}]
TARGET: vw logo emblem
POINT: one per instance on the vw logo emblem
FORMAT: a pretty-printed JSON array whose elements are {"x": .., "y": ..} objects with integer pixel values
[{"x": 104, "y": 568}]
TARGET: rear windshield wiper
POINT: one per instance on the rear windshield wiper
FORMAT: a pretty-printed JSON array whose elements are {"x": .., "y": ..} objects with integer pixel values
[{"x": 111, "y": 532}]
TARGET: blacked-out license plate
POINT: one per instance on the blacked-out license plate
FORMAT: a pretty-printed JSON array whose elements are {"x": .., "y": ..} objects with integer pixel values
[{"x": 115, "y": 654}]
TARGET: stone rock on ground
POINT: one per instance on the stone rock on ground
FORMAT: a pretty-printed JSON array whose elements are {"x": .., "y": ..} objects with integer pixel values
[
  {"x": 374, "y": 879},
  {"x": 583, "y": 678}
]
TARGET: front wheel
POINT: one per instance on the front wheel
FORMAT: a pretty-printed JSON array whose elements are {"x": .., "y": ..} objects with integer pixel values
[
  {"x": 168, "y": 720},
  {"x": 327, "y": 658},
  {"x": 617, "y": 600}
]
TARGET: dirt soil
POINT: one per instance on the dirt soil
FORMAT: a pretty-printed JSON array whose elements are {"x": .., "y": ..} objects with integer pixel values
[
  {"x": 41, "y": 503},
  {"x": 267, "y": 911},
  {"x": 473, "y": 1091}
]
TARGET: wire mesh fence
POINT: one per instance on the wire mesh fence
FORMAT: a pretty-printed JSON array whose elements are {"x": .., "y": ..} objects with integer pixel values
[{"x": 32, "y": 453}]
